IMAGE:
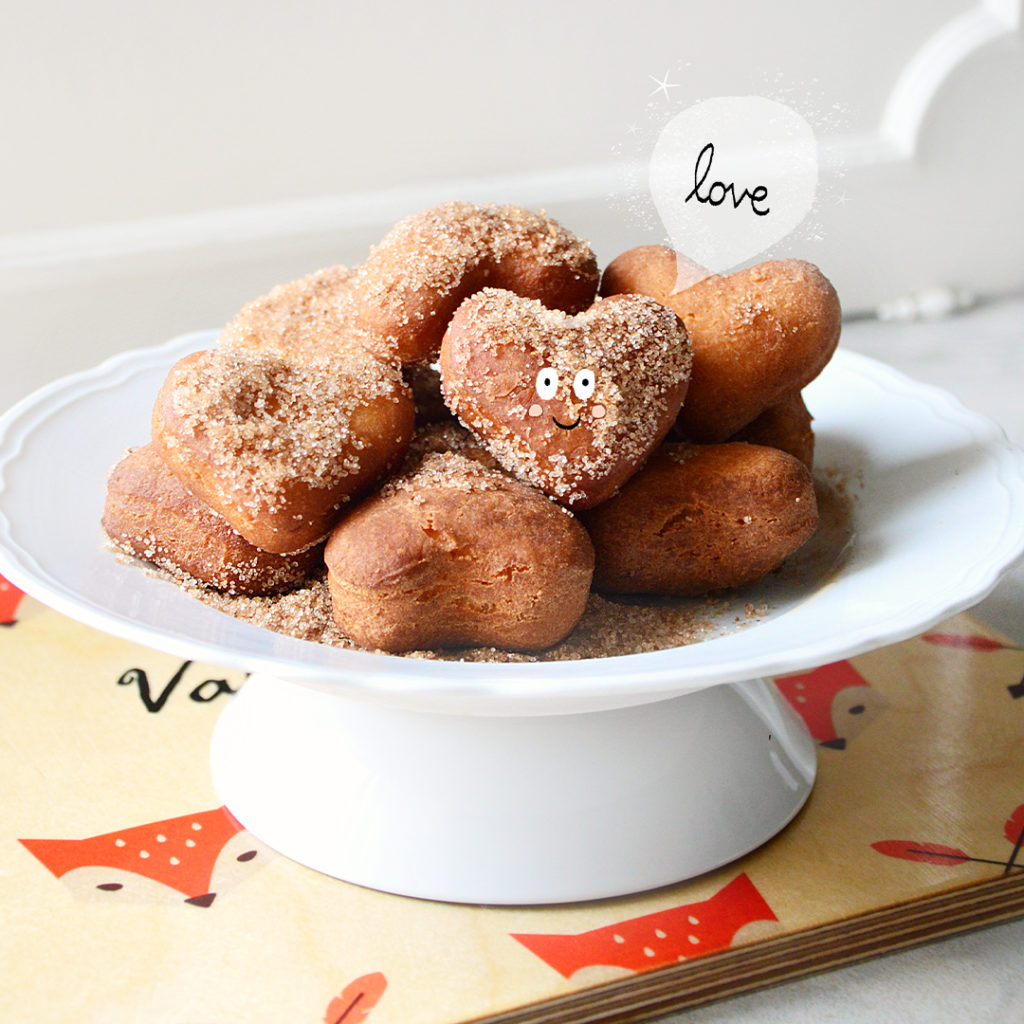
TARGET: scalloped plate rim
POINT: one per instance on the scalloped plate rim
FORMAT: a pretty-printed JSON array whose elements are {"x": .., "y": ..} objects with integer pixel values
[{"x": 559, "y": 686}]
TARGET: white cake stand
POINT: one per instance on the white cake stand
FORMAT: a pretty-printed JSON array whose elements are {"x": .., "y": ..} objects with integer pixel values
[
  {"x": 543, "y": 782},
  {"x": 508, "y": 808}
]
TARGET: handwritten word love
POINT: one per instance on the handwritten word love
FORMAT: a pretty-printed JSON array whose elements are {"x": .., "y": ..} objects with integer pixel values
[{"x": 718, "y": 191}]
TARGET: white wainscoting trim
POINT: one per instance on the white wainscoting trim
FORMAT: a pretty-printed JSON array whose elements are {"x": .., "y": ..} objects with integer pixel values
[{"x": 893, "y": 142}]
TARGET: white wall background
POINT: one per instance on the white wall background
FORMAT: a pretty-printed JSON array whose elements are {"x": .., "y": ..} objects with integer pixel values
[
  {"x": 162, "y": 164},
  {"x": 116, "y": 109}
]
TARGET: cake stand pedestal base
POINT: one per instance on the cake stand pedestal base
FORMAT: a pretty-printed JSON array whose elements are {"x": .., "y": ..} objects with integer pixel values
[{"x": 512, "y": 809}]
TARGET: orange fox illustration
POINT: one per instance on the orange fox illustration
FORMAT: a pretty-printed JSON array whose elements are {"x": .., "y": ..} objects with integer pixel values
[{"x": 835, "y": 701}]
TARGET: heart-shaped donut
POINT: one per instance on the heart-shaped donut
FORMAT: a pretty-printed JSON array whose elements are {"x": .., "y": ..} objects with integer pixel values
[
  {"x": 571, "y": 404},
  {"x": 758, "y": 335},
  {"x": 276, "y": 447},
  {"x": 304, "y": 321}
]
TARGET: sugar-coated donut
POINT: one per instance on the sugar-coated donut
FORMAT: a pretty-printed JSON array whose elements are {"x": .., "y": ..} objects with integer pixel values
[
  {"x": 702, "y": 518},
  {"x": 149, "y": 513},
  {"x": 276, "y": 447},
  {"x": 306, "y": 320},
  {"x": 457, "y": 444},
  {"x": 758, "y": 335},
  {"x": 454, "y": 554},
  {"x": 446, "y": 436},
  {"x": 414, "y": 279},
  {"x": 571, "y": 404}
]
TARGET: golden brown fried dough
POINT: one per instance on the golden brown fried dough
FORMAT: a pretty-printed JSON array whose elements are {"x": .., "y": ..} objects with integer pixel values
[
  {"x": 150, "y": 514},
  {"x": 414, "y": 280},
  {"x": 303, "y": 321},
  {"x": 786, "y": 426},
  {"x": 454, "y": 554},
  {"x": 702, "y": 518},
  {"x": 571, "y": 404},
  {"x": 644, "y": 270},
  {"x": 758, "y": 335},
  {"x": 276, "y": 448}
]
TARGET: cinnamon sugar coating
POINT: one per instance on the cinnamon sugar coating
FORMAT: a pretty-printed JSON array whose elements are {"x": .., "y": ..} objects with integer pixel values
[
  {"x": 576, "y": 447},
  {"x": 449, "y": 436},
  {"x": 758, "y": 335},
  {"x": 414, "y": 279},
  {"x": 453, "y": 553},
  {"x": 702, "y": 518},
  {"x": 276, "y": 447},
  {"x": 150, "y": 514},
  {"x": 305, "y": 321}
]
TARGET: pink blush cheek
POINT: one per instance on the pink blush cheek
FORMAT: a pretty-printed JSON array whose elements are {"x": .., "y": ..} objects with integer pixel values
[
  {"x": 534, "y": 410},
  {"x": 598, "y": 412}
]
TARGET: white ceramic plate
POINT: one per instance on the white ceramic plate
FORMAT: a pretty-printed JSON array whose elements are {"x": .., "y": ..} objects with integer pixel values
[{"x": 939, "y": 516}]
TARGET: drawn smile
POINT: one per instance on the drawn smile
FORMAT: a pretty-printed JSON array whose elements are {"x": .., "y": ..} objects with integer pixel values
[{"x": 563, "y": 426}]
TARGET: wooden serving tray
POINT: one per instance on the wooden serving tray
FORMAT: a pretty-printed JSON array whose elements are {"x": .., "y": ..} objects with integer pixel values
[{"x": 129, "y": 894}]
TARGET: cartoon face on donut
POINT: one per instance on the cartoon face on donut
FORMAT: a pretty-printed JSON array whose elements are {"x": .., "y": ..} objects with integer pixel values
[
  {"x": 572, "y": 404},
  {"x": 582, "y": 388}
]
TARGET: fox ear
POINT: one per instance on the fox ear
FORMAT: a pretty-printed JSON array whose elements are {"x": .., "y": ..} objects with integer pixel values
[
  {"x": 58, "y": 856},
  {"x": 835, "y": 701}
]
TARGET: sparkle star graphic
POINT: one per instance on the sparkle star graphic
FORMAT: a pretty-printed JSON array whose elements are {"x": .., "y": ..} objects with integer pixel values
[{"x": 663, "y": 85}]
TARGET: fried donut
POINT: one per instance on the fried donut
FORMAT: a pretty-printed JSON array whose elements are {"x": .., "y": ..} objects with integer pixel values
[
  {"x": 149, "y": 513},
  {"x": 571, "y": 404},
  {"x": 449, "y": 436},
  {"x": 702, "y": 518},
  {"x": 414, "y": 279},
  {"x": 758, "y": 335},
  {"x": 304, "y": 321},
  {"x": 454, "y": 554},
  {"x": 275, "y": 447},
  {"x": 786, "y": 425}
]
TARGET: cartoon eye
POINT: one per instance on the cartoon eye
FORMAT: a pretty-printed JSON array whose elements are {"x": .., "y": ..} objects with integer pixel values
[
  {"x": 583, "y": 384},
  {"x": 547, "y": 383}
]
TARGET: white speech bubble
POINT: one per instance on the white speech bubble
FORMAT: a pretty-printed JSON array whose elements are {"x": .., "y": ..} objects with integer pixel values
[{"x": 730, "y": 177}]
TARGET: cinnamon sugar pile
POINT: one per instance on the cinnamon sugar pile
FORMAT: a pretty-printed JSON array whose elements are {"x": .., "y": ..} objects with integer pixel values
[
  {"x": 303, "y": 613},
  {"x": 610, "y": 626},
  {"x": 607, "y": 628}
]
